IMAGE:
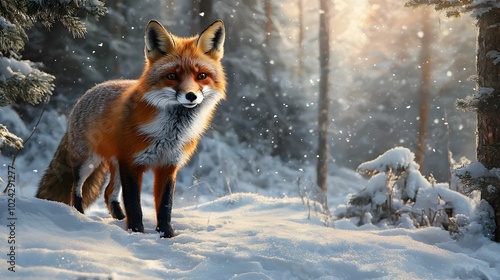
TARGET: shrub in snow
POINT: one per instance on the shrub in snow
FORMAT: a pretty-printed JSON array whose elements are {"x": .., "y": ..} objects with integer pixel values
[{"x": 397, "y": 194}]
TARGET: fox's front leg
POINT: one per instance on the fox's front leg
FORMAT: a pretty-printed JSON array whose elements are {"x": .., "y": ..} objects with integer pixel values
[
  {"x": 164, "y": 197},
  {"x": 131, "y": 178}
]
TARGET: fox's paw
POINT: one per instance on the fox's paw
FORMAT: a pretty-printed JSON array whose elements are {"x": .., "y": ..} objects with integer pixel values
[
  {"x": 166, "y": 231},
  {"x": 136, "y": 228},
  {"x": 116, "y": 211}
]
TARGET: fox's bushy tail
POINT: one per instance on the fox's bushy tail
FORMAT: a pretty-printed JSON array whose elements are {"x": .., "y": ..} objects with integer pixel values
[{"x": 57, "y": 182}]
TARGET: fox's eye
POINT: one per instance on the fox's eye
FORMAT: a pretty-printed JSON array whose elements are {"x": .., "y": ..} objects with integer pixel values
[
  {"x": 202, "y": 76},
  {"x": 171, "y": 76}
]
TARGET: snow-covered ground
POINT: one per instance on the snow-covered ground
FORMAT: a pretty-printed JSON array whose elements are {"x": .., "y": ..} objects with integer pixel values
[
  {"x": 240, "y": 236},
  {"x": 237, "y": 215}
]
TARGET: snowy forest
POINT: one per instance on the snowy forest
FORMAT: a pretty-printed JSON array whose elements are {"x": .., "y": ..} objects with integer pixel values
[{"x": 374, "y": 137}]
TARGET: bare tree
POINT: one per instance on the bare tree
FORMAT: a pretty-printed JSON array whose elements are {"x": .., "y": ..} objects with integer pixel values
[{"x": 324, "y": 101}]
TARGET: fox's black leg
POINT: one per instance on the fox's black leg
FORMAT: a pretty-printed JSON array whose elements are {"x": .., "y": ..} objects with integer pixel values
[
  {"x": 164, "y": 197},
  {"x": 131, "y": 188},
  {"x": 164, "y": 215}
]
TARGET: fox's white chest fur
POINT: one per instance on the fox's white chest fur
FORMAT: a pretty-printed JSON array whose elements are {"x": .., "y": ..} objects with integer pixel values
[{"x": 171, "y": 130}]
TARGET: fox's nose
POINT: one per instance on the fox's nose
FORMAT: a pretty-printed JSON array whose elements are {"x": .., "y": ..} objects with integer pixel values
[{"x": 191, "y": 96}]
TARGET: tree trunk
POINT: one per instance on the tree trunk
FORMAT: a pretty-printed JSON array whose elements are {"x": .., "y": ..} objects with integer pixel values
[
  {"x": 275, "y": 133},
  {"x": 324, "y": 101},
  {"x": 425, "y": 88},
  {"x": 488, "y": 120},
  {"x": 300, "y": 42}
]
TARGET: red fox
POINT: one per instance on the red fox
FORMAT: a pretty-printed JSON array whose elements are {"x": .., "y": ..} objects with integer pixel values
[{"x": 126, "y": 127}]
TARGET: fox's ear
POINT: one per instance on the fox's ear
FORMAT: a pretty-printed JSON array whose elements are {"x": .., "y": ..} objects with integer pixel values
[
  {"x": 211, "y": 40},
  {"x": 159, "y": 41}
]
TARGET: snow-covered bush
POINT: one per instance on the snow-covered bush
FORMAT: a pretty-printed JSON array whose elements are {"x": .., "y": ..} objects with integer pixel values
[{"x": 397, "y": 194}]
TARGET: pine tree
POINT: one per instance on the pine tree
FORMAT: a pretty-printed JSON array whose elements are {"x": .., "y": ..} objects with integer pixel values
[
  {"x": 22, "y": 80},
  {"x": 486, "y": 100}
]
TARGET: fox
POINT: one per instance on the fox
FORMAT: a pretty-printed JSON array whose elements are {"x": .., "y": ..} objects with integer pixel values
[{"x": 122, "y": 128}]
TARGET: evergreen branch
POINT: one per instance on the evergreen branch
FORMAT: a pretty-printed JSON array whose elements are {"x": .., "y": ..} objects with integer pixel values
[
  {"x": 23, "y": 82},
  {"x": 9, "y": 139},
  {"x": 50, "y": 11},
  {"x": 75, "y": 26},
  {"x": 485, "y": 100},
  {"x": 467, "y": 104},
  {"x": 458, "y": 7}
]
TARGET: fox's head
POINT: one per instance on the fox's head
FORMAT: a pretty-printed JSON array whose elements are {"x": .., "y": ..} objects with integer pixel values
[{"x": 184, "y": 71}]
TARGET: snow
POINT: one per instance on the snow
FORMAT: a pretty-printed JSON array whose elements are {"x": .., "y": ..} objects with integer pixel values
[
  {"x": 414, "y": 182},
  {"x": 476, "y": 170},
  {"x": 5, "y": 24},
  {"x": 399, "y": 158},
  {"x": 240, "y": 236},
  {"x": 495, "y": 55},
  {"x": 11, "y": 66},
  {"x": 441, "y": 193},
  {"x": 481, "y": 7},
  {"x": 376, "y": 189},
  {"x": 237, "y": 215}
]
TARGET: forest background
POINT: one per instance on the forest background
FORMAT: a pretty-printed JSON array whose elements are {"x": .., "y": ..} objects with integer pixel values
[{"x": 376, "y": 74}]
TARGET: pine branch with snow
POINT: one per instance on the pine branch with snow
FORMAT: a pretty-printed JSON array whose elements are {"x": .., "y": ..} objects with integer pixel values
[
  {"x": 483, "y": 99},
  {"x": 475, "y": 176},
  {"x": 22, "y": 80},
  {"x": 9, "y": 139},
  {"x": 455, "y": 8}
]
